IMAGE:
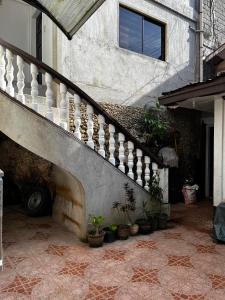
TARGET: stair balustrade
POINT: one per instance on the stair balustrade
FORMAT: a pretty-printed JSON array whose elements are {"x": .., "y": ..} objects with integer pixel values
[{"x": 121, "y": 149}]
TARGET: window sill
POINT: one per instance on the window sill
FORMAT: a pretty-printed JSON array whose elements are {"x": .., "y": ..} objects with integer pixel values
[{"x": 129, "y": 52}]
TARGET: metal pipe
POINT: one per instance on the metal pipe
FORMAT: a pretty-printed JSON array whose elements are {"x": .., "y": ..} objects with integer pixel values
[{"x": 201, "y": 40}]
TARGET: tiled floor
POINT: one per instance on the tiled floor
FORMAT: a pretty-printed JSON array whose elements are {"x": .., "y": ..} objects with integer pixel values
[{"x": 44, "y": 261}]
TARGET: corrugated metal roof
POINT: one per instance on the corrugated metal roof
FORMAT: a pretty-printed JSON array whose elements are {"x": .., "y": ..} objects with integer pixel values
[
  {"x": 69, "y": 15},
  {"x": 198, "y": 89}
]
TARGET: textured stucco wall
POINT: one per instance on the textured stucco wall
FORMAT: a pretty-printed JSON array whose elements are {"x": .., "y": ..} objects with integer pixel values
[
  {"x": 94, "y": 61},
  {"x": 214, "y": 23}
]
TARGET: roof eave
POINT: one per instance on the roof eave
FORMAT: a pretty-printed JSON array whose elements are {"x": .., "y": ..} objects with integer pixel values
[{"x": 214, "y": 87}]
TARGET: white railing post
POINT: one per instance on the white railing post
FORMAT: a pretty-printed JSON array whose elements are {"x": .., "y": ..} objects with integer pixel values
[
  {"x": 77, "y": 117},
  {"x": 64, "y": 117},
  {"x": 1, "y": 217},
  {"x": 163, "y": 183},
  {"x": 49, "y": 96},
  {"x": 90, "y": 127},
  {"x": 121, "y": 139},
  {"x": 2, "y": 69},
  {"x": 34, "y": 86},
  {"x": 9, "y": 73},
  {"x": 147, "y": 172},
  {"x": 139, "y": 167},
  {"x": 130, "y": 159},
  {"x": 20, "y": 79},
  {"x": 101, "y": 135},
  {"x": 112, "y": 144}
]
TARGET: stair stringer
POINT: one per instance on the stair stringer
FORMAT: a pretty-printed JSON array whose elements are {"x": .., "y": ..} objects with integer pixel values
[{"x": 101, "y": 182}]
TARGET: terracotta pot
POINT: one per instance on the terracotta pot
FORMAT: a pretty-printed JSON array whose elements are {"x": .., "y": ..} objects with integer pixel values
[
  {"x": 94, "y": 240},
  {"x": 134, "y": 229},
  {"x": 123, "y": 232}
]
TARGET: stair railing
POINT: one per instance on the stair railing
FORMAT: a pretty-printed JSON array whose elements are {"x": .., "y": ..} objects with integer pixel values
[{"x": 121, "y": 150}]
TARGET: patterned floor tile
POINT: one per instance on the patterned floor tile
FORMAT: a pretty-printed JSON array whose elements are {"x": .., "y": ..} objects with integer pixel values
[
  {"x": 21, "y": 285},
  {"x": 147, "y": 244},
  {"x": 40, "y": 236},
  {"x": 145, "y": 275},
  {"x": 97, "y": 292},
  {"x": 115, "y": 254},
  {"x": 56, "y": 249},
  {"x": 173, "y": 236},
  {"x": 74, "y": 269},
  {"x": 183, "y": 261},
  {"x": 206, "y": 249},
  {"x": 218, "y": 282},
  {"x": 10, "y": 262},
  {"x": 178, "y": 296}
]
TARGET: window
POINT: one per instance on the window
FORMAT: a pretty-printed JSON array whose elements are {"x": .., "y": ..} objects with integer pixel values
[{"x": 141, "y": 34}]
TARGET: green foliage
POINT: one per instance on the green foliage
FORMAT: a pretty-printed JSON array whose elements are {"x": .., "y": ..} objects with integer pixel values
[
  {"x": 155, "y": 128},
  {"x": 97, "y": 222},
  {"x": 153, "y": 204},
  {"x": 128, "y": 205},
  {"x": 113, "y": 227}
]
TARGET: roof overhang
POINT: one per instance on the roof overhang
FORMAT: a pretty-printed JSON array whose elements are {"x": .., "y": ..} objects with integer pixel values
[
  {"x": 68, "y": 15},
  {"x": 195, "y": 91}
]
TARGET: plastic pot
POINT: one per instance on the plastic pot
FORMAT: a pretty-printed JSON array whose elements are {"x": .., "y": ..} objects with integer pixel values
[
  {"x": 123, "y": 232},
  {"x": 110, "y": 235}
]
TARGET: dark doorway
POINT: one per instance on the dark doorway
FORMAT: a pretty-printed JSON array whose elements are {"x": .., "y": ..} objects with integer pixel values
[
  {"x": 211, "y": 158},
  {"x": 39, "y": 42}
]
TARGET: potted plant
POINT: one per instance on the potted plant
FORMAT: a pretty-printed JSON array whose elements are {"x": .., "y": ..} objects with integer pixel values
[
  {"x": 125, "y": 208},
  {"x": 110, "y": 233},
  {"x": 153, "y": 206},
  {"x": 96, "y": 236}
]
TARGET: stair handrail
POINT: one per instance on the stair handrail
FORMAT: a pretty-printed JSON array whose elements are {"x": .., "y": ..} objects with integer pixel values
[{"x": 58, "y": 78}]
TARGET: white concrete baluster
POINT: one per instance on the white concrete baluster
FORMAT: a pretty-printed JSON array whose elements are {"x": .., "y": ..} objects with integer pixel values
[
  {"x": 155, "y": 169},
  {"x": 130, "y": 159},
  {"x": 77, "y": 117},
  {"x": 49, "y": 96},
  {"x": 1, "y": 218},
  {"x": 121, "y": 139},
  {"x": 34, "y": 86},
  {"x": 2, "y": 69},
  {"x": 139, "y": 167},
  {"x": 147, "y": 172},
  {"x": 20, "y": 79},
  {"x": 9, "y": 73},
  {"x": 90, "y": 126},
  {"x": 112, "y": 144},
  {"x": 64, "y": 115},
  {"x": 101, "y": 135}
]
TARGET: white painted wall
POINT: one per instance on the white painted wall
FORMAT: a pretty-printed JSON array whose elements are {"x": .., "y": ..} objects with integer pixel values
[
  {"x": 16, "y": 24},
  {"x": 94, "y": 61}
]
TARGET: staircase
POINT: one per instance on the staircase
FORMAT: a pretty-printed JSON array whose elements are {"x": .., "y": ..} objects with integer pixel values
[{"x": 89, "y": 174}]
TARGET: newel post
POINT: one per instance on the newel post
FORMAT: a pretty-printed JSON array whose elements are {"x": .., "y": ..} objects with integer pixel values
[
  {"x": 164, "y": 184},
  {"x": 1, "y": 216}
]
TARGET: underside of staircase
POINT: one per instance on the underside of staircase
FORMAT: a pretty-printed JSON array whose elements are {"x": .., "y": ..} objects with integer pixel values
[{"x": 89, "y": 175}]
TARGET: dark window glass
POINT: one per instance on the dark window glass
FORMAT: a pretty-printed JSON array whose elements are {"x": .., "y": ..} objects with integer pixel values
[
  {"x": 141, "y": 34},
  {"x": 130, "y": 30}
]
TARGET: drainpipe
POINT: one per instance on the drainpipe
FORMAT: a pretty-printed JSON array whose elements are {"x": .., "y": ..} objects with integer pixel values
[{"x": 201, "y": 40}]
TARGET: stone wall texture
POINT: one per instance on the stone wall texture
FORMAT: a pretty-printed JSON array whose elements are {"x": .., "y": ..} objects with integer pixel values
[{"x": 214, "y": 24}]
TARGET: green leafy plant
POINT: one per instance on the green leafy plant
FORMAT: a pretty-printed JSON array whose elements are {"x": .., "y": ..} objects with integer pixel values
[
  {"x": 97, "y": 222},
  {"x": 127, "y": 206},
  {"x": 113, "y": 227},
  {"x": 155, "y": 128},
  {"x": 153, "y": 204}
]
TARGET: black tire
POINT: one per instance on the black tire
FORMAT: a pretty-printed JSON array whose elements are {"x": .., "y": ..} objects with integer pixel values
[{"x": 38, "y": 202}]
